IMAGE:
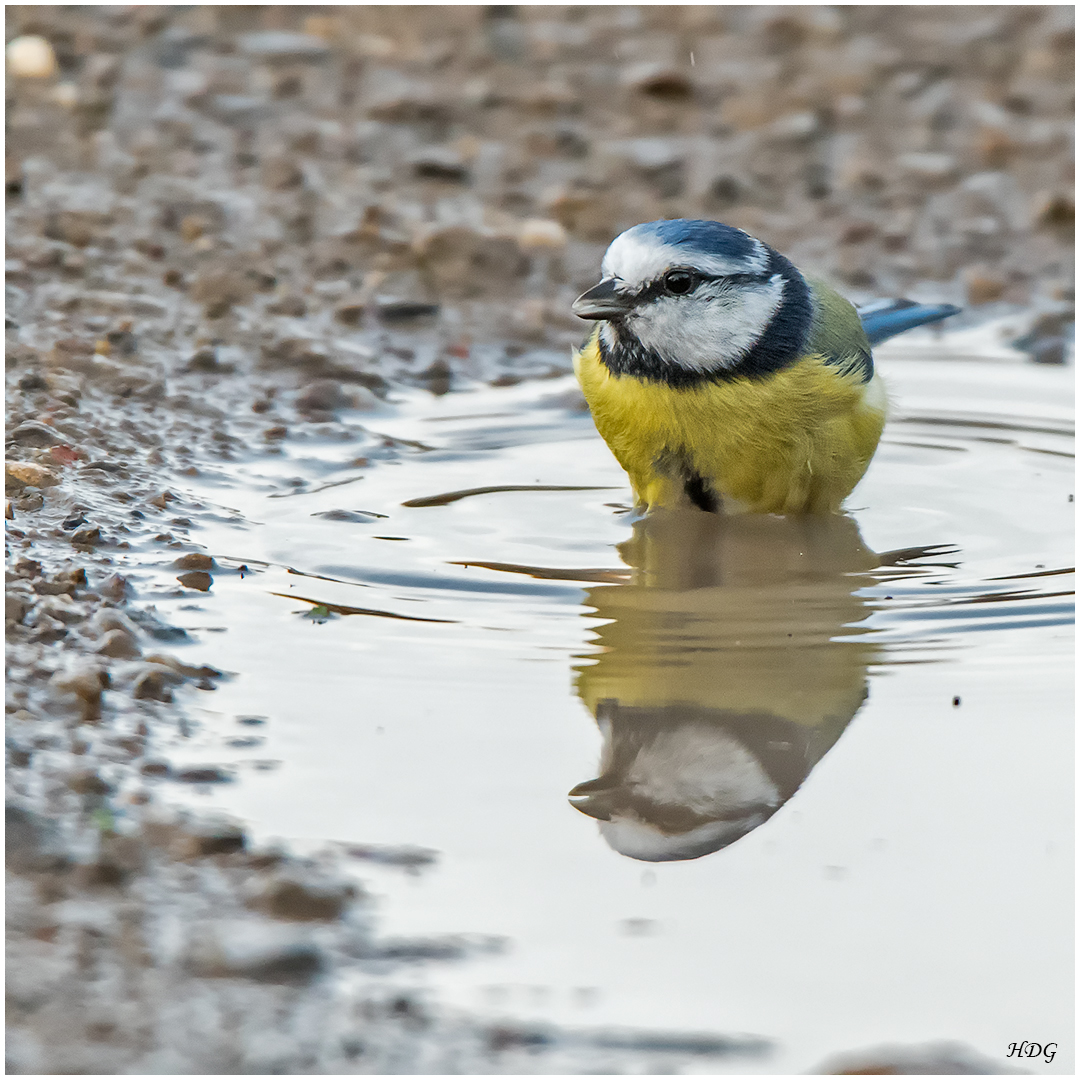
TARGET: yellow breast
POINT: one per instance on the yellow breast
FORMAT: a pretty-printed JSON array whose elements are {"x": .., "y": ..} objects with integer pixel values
[{"x": 794, "y": 441}]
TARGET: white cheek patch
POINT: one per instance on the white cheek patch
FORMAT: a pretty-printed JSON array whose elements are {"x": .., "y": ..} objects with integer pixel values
[
  {"x": 708, "y": 329},
  {"x": 641, "y": 259},
  {"x": 704, "y": 769}
]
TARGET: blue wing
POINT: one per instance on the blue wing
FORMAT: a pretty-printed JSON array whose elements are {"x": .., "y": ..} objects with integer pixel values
[{"x": 887, "y": 318}]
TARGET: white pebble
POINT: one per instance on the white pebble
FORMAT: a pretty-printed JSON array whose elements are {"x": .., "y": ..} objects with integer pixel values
[
  {"x": 542, "y": 233},
  {"x": 31, "y": 57}
]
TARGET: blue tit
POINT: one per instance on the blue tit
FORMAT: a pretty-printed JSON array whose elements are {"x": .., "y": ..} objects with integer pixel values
[{"x": 721, "y": 377}]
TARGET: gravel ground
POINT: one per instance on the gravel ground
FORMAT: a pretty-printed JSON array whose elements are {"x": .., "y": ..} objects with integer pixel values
[{"x": 227, "y": 224}]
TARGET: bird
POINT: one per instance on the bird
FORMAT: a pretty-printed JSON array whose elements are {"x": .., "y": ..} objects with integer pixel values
[{"x": 723, "y": 378}]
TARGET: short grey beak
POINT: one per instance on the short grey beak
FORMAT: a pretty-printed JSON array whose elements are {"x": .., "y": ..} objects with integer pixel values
[
  {"x": 603, "y": 301},
  {"x": 596, "y": 798}
]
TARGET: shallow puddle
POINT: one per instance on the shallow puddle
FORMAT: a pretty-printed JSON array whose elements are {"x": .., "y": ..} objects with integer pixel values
[{"x": 870, "y": 754}]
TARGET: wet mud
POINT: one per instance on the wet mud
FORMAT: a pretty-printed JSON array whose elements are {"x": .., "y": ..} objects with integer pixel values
[{"x": 282, "y": 281}]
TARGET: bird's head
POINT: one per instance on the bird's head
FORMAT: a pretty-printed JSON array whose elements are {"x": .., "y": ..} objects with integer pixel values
[
  {"x": 684, "y": 301},
  {"x": 680, "y": 781}
]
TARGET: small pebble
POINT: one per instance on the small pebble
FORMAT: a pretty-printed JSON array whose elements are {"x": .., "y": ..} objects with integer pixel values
[
  {"x": 203, "y": 774},
  {"x": 120, "y": 645},
  {"x": 20, "y": 474},
  {"x": 30, "y": 57},
  {"x": 194, "y": 560},
  {"x": 153, "y": 685},
  {"x": 88, "y": 782}
]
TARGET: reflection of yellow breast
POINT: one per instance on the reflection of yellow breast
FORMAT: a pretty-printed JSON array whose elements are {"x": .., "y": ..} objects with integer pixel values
[
  {"x": 797, "y": 440},
  {"x": 783, "y": 653},
  {"x": 749, "y": 614}
]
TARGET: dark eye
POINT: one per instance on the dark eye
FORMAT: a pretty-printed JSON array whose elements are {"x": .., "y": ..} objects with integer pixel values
[{"x": 678, "y": 282}]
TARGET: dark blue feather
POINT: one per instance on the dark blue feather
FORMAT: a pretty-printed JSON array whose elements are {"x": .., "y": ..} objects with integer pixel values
[
  {"x": 707, "y": 237},
  {"x": 887, "y": 318}
]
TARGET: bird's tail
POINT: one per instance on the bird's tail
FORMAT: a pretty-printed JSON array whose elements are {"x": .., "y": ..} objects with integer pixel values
[{"x": 887, "y": 318}]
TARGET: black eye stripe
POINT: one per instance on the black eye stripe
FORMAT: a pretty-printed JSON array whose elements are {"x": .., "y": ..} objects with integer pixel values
[{"x": 655, "y": 289}]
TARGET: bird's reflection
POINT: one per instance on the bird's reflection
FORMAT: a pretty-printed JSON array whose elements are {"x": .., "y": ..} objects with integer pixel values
[
  {"x": 730, "y": 663},
  {"x": 732, "y": 654}
]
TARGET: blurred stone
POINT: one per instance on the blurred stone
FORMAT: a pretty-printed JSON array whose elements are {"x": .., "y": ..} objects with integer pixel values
[
  {"x": 187, "y": 671},
  {"x": 88, "y": 782},
  {"x": 541, "y": 234},
  {"x": 584, "y": 214},
  {"x": 154, "y": 684},
  {"x": 283, "y": 47},
  {"x": 32, "y": 433},
  {"x": 794, "y": 127},
  {"x": 88, "y": 537},
  {"x": 32, "y": 381},
  {"x": 203, "y": 774},
  {"x": 290, "y": 897},
  {"x": 85, "y": 680},
  {"x": 463, "y": 262},
  {"x": 62, "y": 608},
  {"x": 210, "y": 836},
  {"x": 1054, "y": 211},
  {"x": 219, "y": 289},
  {"x": 261, "y": 951},
  {"x": 122, "y": 342},
  {"x": 204, "y": 359},
  {"x": 196, "y": 579},
  {"x": 1046, "y": 341},
  {"x": 928, "y": 166},
  {"x": 291, "y": 305},
  {"x": 303, "y": 353},
  {"x": 396, "y": 311},
  {"x": 34, "y": 500},
  {"x": 20, "y": 474},
  {"x": 194, "y": 560},
  {"x": 982, "y": 286},
  {"x": 996, "y": 148},
  {"x": 16, "y": 605},
  {"x": 78, "y": 227},
  {"x": 48, "y": 630},
  {"x": 282, "y": 174},
  {"x": 1048, "y": 350},
  {"x": 54, "y": 588},
  {"x": 401, "y": 100},
  {"x": 549, "y": 97},
  {"x": 120, "y": 645},
  {"x": 439, "y": 163},
  {"x": 438, "y": 377},
  {"x": 324, "y": 395},
  {"x": 351, "y": 313},
  {"x": 32, "y": 841},
  {"x": 724, "y": 191},
  {"x": 30, "y": 57},
  {"x": 116, "y": 587},
  {"x": 659, "y": 161},
  {"x": 659, "y": 81}
]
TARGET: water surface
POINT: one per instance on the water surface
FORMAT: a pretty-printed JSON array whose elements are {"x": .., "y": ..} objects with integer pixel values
[{"x": 849, "y": 743}]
